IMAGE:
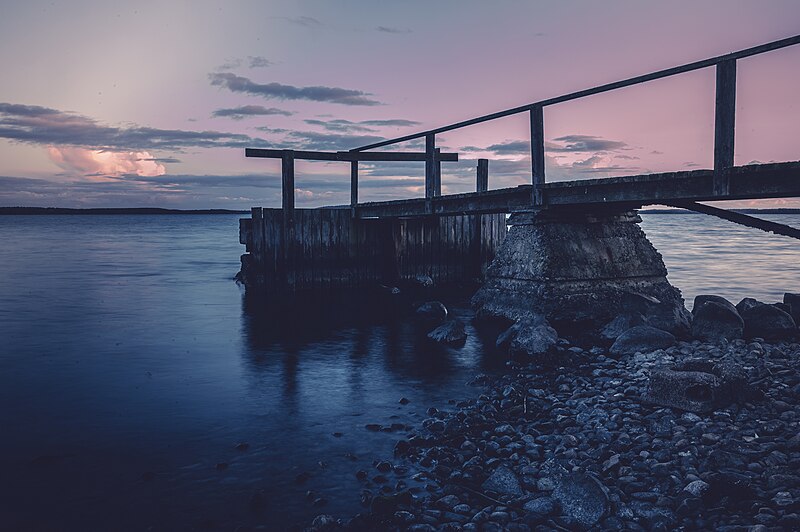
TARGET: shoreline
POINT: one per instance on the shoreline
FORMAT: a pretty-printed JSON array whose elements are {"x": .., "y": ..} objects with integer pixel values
[
  {"x": 573, "y": 442},
  {"x": 42, "y": 211}
]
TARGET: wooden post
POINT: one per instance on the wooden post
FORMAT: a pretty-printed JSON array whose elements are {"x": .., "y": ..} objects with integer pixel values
[
  {"x": 724, "y": 125},
  {"x": 483, "y": 175},
  {"x": 353, "y": 185},
  {"x": 537, "y": 152},
  {"x": 437, "y": 187},
  {"x": 430, "y": 165},
  {"x": 287, "y": 182}
]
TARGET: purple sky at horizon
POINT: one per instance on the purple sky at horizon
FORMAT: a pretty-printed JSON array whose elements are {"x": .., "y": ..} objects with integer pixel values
[{"x": 121, "y": 104}]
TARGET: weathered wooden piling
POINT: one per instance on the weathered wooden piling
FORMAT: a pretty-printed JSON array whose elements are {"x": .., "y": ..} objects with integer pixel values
[{"x": 328, "y": 248}]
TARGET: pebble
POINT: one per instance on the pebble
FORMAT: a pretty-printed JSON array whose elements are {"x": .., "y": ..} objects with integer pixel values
[{"x": 525, "y": 435}]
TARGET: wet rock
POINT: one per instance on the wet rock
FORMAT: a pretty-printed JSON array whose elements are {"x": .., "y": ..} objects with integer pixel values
[
  {"x": 403, "y": 401},
  {"x": 715, "y": 321},
  {"x": 503, "y": 481},
  {"x": 696, "y": 488},
  {"x": 323, "y": 523},
  {"x": 746, "y": 304},
  {"x": 686, "y": 390},
  {"x": 734, "y": 488},
  {"x": 432, "y": 312},
  {"x": 383, "y": 466},
  {"x": 423, "y": 281},
  {"x": 705, "y": 298},
  {"x": 242, "y": 446},
  {"x": 613, "y": 329},
  {"x": 768, "y": 322},
  {"x": 582, "y": 498},
  {"x": 793, "y": 301},
  {"x": 534, "y": 342},
  {"x": 540, "y": 508},
  {"x": 451, "y": 332},
  {"x": 642, "y": 338}
]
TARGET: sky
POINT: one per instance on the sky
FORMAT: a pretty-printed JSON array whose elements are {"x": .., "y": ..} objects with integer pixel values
[{"x": 152, "y": 103}]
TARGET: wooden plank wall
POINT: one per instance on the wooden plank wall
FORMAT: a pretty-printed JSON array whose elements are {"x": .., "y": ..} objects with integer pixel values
[{"x": 327, "y": 248}]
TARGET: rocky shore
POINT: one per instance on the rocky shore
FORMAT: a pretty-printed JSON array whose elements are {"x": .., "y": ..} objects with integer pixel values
[{"x": 647, "y": 432}]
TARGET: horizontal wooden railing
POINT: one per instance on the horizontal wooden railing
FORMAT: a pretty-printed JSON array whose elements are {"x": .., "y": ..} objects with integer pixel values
[
  {"x": 724, "y": 123},
  {"x": 724, "y": 135}
]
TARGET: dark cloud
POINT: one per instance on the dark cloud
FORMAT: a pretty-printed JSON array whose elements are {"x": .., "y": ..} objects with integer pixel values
[
  {"x": 256, "y": 61},
  {"x": 308, "y": 22},
  {"x": 347, "y": 125},
  {"x": 160, "y": 159},
  {"x": 338, "y": 95},
  {"x": 396, "y": 122},
  {"x": 312, "y": 140},
  {"x": 238, "y": 113},
  {"x": 230, "y": 64},
  {"x": 509, "y": 147},
  {"x": 41, "y": 125},
  {"x": 585, "y": 143},
  {"x": 338, "y": 125},
  {"x": 389, "y": 29}
]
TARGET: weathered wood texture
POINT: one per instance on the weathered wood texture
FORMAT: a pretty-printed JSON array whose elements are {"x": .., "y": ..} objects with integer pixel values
[
  {"x": 327, "y": 248},
  {"x": 757, "y": 181}
]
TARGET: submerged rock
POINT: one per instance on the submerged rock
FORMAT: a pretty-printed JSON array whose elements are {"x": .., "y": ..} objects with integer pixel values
[
  {"x": 451, "y": 332},
  {"x": 715, "y": 320},
  {"x": 768, "y": 322},
  {"x": 432, "y": 312},
  {"x": 642, "y": 338}
]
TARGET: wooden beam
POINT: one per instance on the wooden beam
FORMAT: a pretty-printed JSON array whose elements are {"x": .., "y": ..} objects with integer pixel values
[
  {"x": 287, "y": 185},
  {"x": 724, "y": 124},
  {"x": 437, "y": 174},
  {"x": 777, "y": 180},
  {"x": 739, "y": 218},
  {"x": 430, "y": 166},
  {"x": 353, "y": 183},
  {"x": 537, "y": 152},
  {"x": 482, "y": 184},
  {"x": 349, "y": 156}
]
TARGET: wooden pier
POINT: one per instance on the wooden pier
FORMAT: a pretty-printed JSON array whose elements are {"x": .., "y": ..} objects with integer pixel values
[{"x": 454, "y": 237}]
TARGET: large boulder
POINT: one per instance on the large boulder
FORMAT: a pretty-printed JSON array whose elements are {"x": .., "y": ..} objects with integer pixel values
[
  {"x": 613, "y": 329},
  {"x": 716, "y": 320},
  {"x": 746, "y": 304},
  {"x": 642, "y": 338},
  {"x": 705, "y": 298},
  {"x": 451, "y": 332},
  {"x": 793, "y": 300},
  {"x": 768, "y": 322},
  {"x": 533, "y": 342},
  {"x": 698, "y": 385}
]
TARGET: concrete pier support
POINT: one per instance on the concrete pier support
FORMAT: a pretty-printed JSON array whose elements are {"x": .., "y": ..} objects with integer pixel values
[{"x": 580, "y": 270}]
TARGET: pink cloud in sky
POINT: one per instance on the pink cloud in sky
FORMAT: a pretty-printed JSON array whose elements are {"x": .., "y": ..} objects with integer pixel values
[{"x": 96, "y": 163}]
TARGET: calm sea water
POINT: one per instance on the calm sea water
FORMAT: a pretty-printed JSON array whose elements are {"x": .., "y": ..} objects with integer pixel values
[{"x": 131, "y": 365}]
